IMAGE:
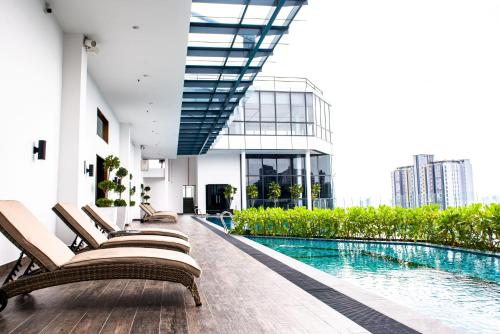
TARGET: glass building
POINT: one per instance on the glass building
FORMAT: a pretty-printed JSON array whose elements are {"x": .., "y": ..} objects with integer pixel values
[{"x": 283, "y": 129}]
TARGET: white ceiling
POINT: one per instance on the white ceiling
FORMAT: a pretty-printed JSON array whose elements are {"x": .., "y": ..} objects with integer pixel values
[{"x": 157, "y": 49}]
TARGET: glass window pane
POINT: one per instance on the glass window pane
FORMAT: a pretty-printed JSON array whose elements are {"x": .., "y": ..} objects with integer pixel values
[
  {"x": 268, "y": 129},
  {"x": 252, "y": 108},
  {"x": 284, "y": 166},
  {"x": 267, "y": 107},
  {"x": 283, "y": 129},
  {"x": 299, "y": 166},
  {"x": 254, "y": 166},
  {"x": 236, "y": 128},
  {"x": 298, "y": 107},
  {"x": 269, "y": 166},
  {"x": 314, "y": 165},
  {"x": 252, "y": 128},
  {"x": 283, "y": 107},
  {"x": 298, "y": 129},
  {"x": 324, "y": 165},
  {"x": 310, "y": 130},
  {"x": 285, "y": 182},
  {"x": 309, "y": 107}
]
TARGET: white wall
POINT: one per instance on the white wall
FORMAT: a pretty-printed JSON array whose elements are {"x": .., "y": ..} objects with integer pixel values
[
  {"x": 218, "y": 168},
  {"x": 93, "y": 144},
  {"x": 30, "y": 104}
]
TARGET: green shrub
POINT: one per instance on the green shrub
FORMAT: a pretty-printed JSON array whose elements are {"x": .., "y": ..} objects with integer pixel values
[
  {"x": 106, "y": 186},
  {"x": 475, "y": 226},
  {"x": 132, "y": 203},
  {"x": 104, "y": 202},
  {"x": 120, "y": 202}
]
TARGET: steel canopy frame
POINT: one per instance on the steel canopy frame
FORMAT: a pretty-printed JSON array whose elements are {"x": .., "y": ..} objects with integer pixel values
[{"x": 221, "y": 68}]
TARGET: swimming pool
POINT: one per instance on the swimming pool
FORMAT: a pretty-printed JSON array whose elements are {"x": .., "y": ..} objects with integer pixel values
[
  {"x": 461, "y": 289},
  {"x": 216, "y": 220}
]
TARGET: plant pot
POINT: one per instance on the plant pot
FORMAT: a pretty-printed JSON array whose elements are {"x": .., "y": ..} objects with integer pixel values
[
  {"x": 121, "y": 216},
  {"x": 110, "y": 213}
]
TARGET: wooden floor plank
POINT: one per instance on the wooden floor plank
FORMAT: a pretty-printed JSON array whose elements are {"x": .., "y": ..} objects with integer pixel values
[
  {"x": 173, "y": 318},
  {"x": 147, "y": 318},
  {"x": 72, "y": 312},
  {"x": 96, "y": 314},
  {"x": 122, "y": 315}
]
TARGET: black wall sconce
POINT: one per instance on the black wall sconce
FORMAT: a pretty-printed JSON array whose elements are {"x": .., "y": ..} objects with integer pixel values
[
  {"x": 40, "y": 150},
  {"x": 88, "y": 170}
]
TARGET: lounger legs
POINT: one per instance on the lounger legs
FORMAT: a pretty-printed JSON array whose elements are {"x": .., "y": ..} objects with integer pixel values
[
  {"x": 196, "y": 295},
  {"x": 3, "y": 300}
]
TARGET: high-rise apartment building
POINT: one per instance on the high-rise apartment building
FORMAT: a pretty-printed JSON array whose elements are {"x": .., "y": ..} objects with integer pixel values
[{"x": 447, "y": 183}]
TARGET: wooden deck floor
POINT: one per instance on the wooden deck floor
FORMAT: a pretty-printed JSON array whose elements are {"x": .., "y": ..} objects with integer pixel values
[{"x": 240, "y": 295}]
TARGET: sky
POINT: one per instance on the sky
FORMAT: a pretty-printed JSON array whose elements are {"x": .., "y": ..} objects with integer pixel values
[{"x": 404, "y": 77}]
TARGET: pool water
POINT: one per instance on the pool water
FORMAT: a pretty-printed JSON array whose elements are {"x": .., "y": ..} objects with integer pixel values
[
  {"x": 216, "y": 221},
  {"x": 462, "y": 289}
]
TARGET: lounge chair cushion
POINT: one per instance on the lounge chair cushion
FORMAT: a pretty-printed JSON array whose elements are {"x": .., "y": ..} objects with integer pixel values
[
  {"x": 81, "y": 224},
  {"x": 133, "y": 255},
  {"x": 93, "y": 211},
  {"x": 100, "y": 219},
  {"x": 22, "y": 226},
  {"x": 149, "y": 240},
  {"x": 155, "y": 212},
  {"x": 165, "y": 232}
]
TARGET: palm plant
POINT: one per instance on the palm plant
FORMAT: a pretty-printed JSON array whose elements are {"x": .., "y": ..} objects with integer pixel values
[
  {"x": 252, "y": 193},
  {"x": 315, "y": 191},
  {"x": 274, "y": 192},
  {"x": 296, "y": 191}
]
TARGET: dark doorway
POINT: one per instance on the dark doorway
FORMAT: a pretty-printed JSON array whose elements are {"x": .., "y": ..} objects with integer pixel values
[
  {"x": 215, "y": 200},
  {"x": 100, "y": 175},
  {"x": 188, "y": 197}
]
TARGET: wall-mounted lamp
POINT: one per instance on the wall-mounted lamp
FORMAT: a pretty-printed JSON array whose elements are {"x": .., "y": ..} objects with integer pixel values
[
  {"x": 88, "y": 170},
  {"x": 40, "y": 150}
]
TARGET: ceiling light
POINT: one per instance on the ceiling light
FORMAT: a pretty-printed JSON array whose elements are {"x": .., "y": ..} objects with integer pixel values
[
  {"x": 135, "y": 27},
  {"x": 145, "y": 75}
]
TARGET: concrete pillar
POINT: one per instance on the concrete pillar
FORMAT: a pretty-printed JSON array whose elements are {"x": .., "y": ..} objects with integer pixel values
[
  {"x": 73, "y": 108},
  {"x": 125, "y": 146},
  {"x": 308, "y": 180},
  {"x": 243, "y": 180}
]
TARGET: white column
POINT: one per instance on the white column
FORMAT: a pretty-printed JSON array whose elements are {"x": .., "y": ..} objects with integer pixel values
[
  {"x": 308, "y": 180},
  {"x": 243, "y": 180},
  {"x": 125, "y": 146},
  {"x": 71, "y": 177}
]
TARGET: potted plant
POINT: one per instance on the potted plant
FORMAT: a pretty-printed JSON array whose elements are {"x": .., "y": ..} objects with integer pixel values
[
  {"x": 144, "y": 194},
  {"x": 252, "y": 193},
  {"x": 296, "y": 193},
  {"x": 110, "y": 164},
  {"x": 120, "y": 203},
  {"x": 315, "y": 192},
  {"x": 229, "y": 192},
  {"x": 274, "y": 192},
  {"x": 131, "y": 191}
]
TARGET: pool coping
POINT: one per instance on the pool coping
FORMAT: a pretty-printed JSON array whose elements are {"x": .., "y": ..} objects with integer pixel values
[{"x": 403, "y": 315}]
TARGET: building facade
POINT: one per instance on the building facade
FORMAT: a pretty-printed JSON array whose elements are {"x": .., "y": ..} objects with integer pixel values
[
  {"x": 280, "y": 132},
  {"x": 447, "y": 183}
]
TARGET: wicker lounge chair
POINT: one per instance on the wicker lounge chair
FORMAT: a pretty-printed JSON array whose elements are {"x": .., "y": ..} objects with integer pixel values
[
  {"x": 152, "y": 215},
  {"x": 53, "y": 263},
  {"x": 111, "y": 228},
  {"x": 95, "y": 239}
]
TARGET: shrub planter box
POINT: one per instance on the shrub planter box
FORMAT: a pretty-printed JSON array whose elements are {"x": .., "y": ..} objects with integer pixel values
[
  {"x": 121, "y": 216},
  {"x": 110, "y": 213}
]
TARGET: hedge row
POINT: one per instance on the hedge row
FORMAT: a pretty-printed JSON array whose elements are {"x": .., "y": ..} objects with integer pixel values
[{"x": 475, "y": 226}]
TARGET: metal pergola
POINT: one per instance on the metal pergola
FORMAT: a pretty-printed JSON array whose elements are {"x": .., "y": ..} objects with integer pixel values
[{"x": 229, "y": 42}]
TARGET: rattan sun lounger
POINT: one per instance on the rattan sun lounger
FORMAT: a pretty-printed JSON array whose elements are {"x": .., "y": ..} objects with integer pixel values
[
  {"x": 151, "y": 215},
  {"x": 95, "y": 239},
  {"x": 111, "y": 228},
  {"x": 53, "y": 263}
]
